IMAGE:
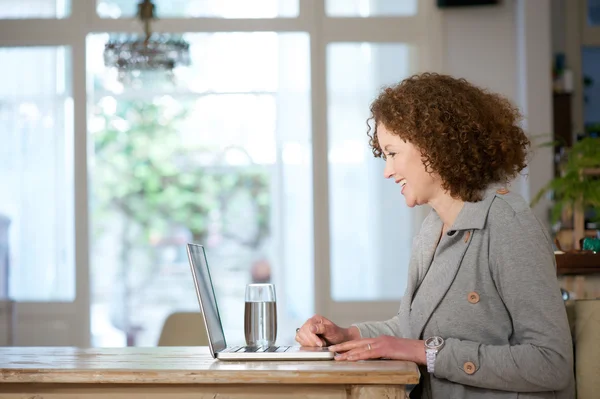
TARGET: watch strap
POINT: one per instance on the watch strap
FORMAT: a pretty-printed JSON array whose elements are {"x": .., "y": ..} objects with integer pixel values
[{"x": 430, "y": 356}]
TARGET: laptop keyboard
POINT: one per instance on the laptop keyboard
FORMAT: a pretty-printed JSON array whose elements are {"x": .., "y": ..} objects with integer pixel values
[{"x": 240, "y": 349}]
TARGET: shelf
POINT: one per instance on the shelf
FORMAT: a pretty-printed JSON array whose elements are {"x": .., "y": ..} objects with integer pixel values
[
  {"x": 566, "y": 271},
  {"x": 568, "y": 263},
  {"x": 591, "y": 172},
  {"x": 588, "y": 233}
]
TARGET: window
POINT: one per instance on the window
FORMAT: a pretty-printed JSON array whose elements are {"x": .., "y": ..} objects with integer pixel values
[
  {"x": 590, "y": 57},
  {"x": 593, "y": 12},
  {"x": 367, "y": 249},
  {"x": 202, "y": 8},
  {"x": 221, "y": 157},
  {"x": 36, "y": 173},
  {"x": 370, "y": 8},
  {"x": 10, "y": 9}
]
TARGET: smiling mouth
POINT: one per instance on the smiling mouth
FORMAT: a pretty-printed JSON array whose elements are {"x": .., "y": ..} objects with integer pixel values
[{"x": 402, "y": 182}]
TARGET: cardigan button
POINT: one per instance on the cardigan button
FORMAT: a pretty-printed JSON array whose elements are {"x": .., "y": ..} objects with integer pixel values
[
  {"x": 469, "y": 368},
  {"x": 473, "y": 297}
]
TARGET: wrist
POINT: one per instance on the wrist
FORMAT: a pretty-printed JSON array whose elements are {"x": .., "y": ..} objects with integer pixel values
[
  {"x": 420, "y": 356},
  {"x": 351, "y": 333}
]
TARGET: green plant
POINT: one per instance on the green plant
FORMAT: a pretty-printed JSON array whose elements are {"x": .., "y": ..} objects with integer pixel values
[
  {"x": 573, "y": 184},
  {"x": 144, "y": 171}
]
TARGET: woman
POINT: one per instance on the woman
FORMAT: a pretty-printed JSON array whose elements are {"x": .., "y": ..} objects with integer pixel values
[{"x": 482, "y": 314}]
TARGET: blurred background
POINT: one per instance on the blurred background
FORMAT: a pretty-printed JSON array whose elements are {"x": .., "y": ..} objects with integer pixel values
[{"x": 241, "y": 126}]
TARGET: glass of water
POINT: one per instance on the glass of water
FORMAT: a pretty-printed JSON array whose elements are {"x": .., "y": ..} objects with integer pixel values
[{"x": 260, "y": 316}]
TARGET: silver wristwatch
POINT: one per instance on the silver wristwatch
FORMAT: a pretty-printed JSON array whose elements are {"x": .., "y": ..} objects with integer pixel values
[{"x": 432, "y": 346}]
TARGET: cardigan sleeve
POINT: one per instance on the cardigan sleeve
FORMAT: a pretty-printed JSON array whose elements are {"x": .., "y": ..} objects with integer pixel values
[{"x": 376, "y": 328}]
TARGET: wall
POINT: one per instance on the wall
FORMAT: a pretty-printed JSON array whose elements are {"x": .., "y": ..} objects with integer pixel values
[
  {"x": 508, "y": 49},
  {"x": 480, "y": 45},
  {"x": 558, "y": 11}
]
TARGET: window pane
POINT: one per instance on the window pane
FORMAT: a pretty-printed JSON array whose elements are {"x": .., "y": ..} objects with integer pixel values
[
  {"x": 370, "y": 8},
  {"x": 590, "y": 60},
  {"x": 239, "y": 63},
  {"x": 217, "y": 160},
  {"x": 369, "y": 250},
  {"x": 202, "y": 8},
  {"x": 36, "y": 172},
  {"x": 593, "y": 12},
  {"x": 11, "y": 9}
]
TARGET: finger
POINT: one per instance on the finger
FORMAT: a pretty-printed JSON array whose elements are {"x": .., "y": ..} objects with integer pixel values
[
  {"x": 360, "y": 353},
  {"x": 302, "y": 339},
  {"x": 313, "y": 339},
  {"x": 372, "y": 351},
  {"x": 349, "y": 345},
  {"x": 317, "y": 341},
  {"x": 316, "y": 319},
  {"x": 349, "y": 356},
  {"x": 311, "y": 336},
  {"x": 318, "y": 328},
  {"x": 308, "y": 339}
]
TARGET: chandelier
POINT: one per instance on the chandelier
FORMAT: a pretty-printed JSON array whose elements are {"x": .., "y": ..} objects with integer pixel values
[{"x": 153, "y": 52}]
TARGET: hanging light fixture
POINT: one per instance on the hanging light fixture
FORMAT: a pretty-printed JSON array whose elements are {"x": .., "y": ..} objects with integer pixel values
[{"x": 153, "y": 52}]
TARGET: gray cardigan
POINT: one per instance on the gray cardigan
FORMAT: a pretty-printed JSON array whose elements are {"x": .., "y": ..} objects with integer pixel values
[{"x": 489, "y": 288}]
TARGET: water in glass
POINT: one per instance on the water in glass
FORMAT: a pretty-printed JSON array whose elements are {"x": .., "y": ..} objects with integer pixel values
[{"x": 260, "y": 315}]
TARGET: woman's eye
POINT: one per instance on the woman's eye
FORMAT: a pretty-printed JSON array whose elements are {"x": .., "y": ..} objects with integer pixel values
[{"x": 391, "y": 154}]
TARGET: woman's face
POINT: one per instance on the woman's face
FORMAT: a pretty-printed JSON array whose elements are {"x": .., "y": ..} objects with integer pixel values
[{"x": 404, "y": 164}]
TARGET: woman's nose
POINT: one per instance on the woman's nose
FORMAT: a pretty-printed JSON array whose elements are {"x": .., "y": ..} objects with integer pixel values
[{"x": 388, "y": 171}]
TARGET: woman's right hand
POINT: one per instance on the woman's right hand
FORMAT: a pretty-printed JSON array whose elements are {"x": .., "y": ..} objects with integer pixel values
[{"x": 319, "y": 331}]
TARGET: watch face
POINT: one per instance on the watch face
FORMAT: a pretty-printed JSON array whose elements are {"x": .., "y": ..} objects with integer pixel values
[{"x": 434, "y": 342}]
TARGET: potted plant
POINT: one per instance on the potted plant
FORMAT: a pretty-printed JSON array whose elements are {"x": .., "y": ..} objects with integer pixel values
[{"x": 577, "y": 188}]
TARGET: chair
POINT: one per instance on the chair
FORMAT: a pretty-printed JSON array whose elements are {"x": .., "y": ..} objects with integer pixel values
[
  {"x": 584, "y": 319},
  {"x": 183, "y": 329}
]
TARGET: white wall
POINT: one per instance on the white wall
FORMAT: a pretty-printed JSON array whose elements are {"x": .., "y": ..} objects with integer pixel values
[
  {"x": 508, "y": 49},
  {"x": 480, "y": 45}
]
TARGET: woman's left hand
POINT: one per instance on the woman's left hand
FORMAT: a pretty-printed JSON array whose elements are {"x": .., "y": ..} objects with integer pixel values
[{"x": 384, "y": 346}]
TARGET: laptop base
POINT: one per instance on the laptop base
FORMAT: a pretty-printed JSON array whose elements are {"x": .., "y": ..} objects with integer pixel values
[{"x": 275, "y": 353}]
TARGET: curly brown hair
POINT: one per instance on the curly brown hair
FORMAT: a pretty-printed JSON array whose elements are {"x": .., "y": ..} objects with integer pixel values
[{"x": 468, "y": 136}]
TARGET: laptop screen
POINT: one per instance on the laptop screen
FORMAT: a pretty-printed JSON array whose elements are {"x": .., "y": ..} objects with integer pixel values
[{"x": 206, "y": 296}]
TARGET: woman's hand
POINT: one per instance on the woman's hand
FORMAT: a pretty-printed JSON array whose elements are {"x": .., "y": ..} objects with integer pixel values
[
  {"x": 319, "y": 331},
  {"x": 383, "y": 346}
]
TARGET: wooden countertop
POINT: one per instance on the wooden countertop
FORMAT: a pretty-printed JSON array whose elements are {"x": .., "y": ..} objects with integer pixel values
[{"x": 186, "y": 365}]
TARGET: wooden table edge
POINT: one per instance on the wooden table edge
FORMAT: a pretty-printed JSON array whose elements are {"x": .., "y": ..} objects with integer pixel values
[{"x": 168, "y": 377}]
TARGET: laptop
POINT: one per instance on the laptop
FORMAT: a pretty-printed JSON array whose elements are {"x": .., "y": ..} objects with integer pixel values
[{"x": 214, "y": 327}]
